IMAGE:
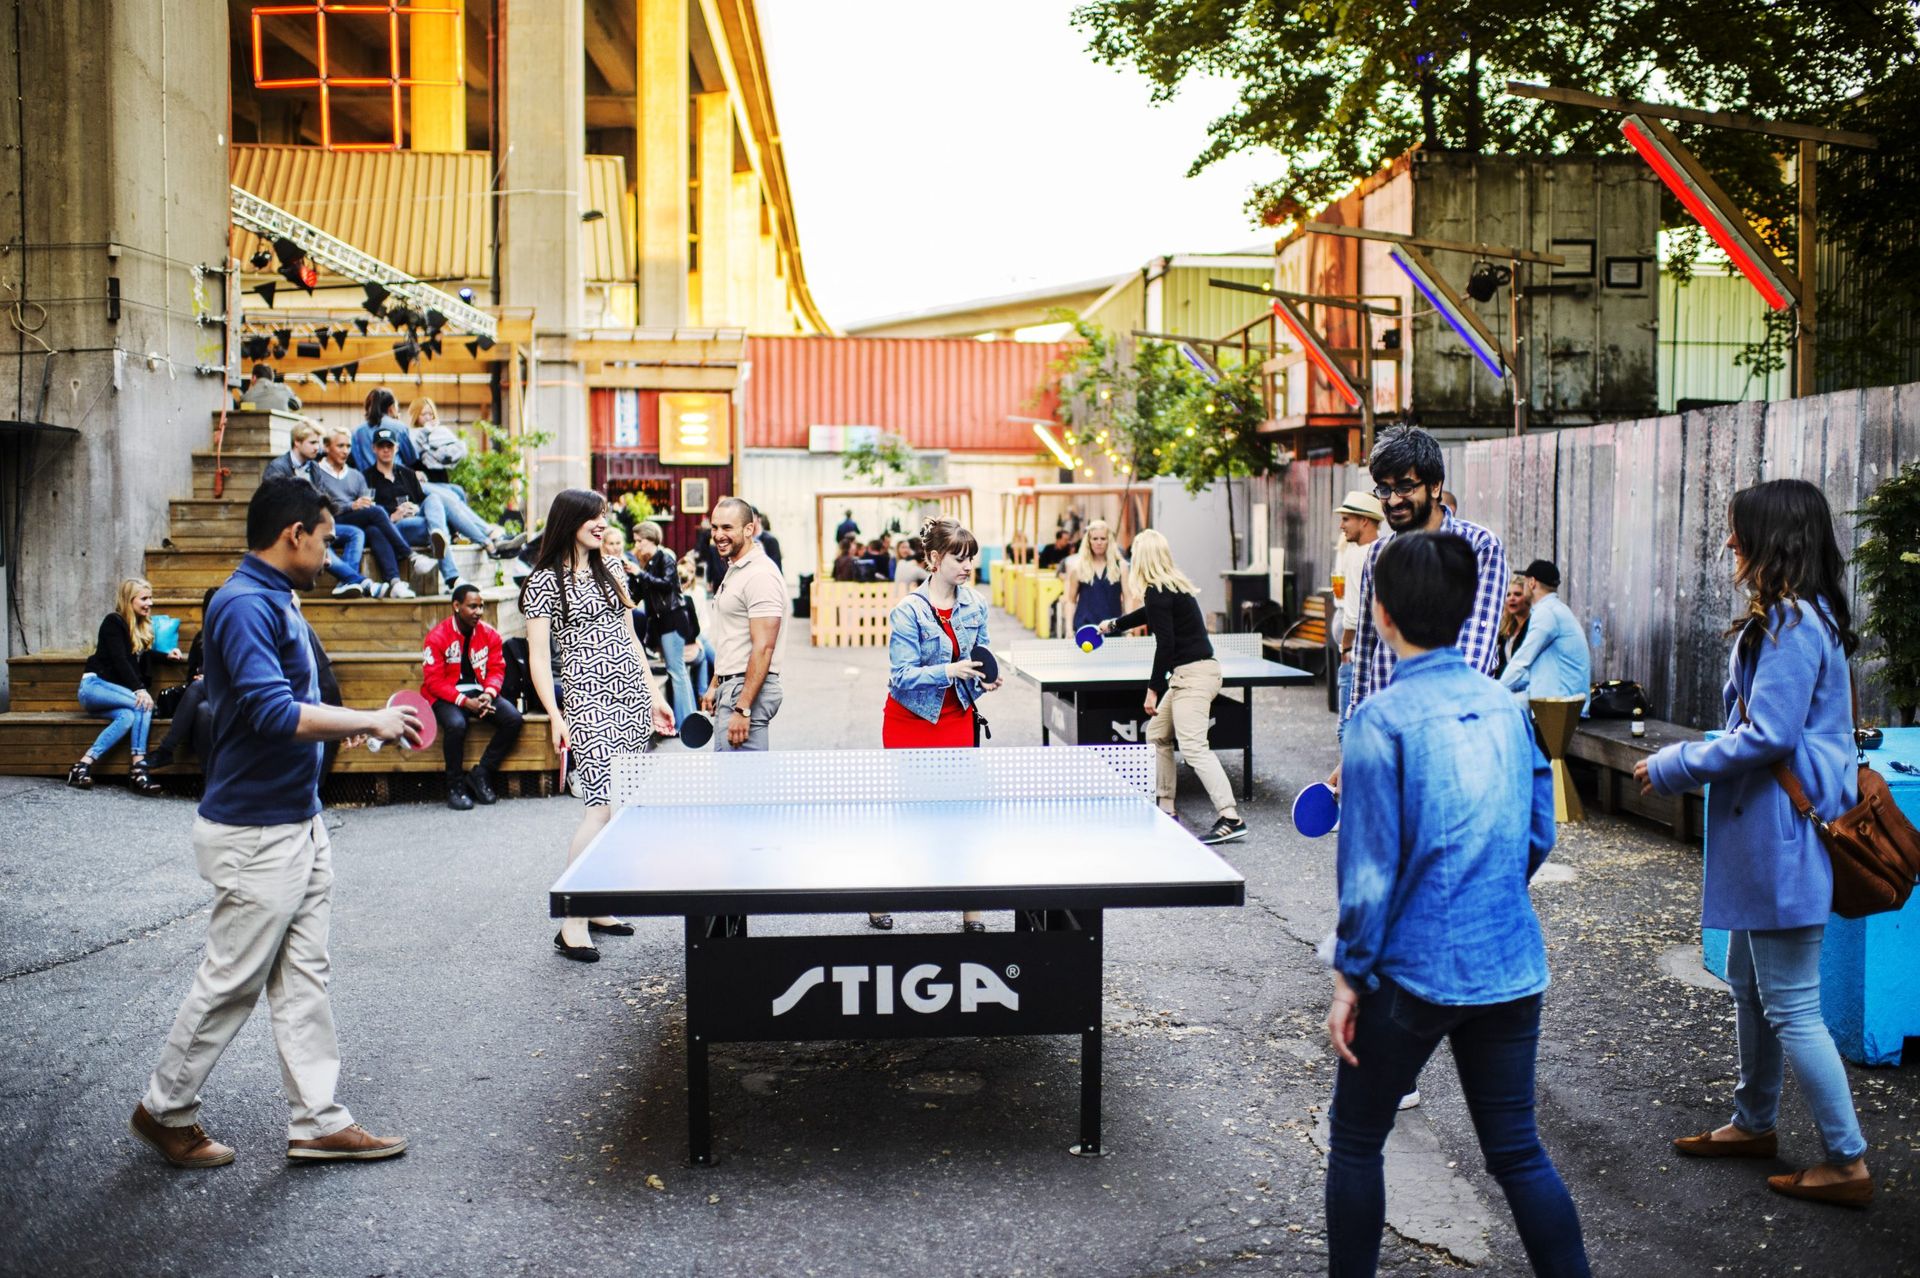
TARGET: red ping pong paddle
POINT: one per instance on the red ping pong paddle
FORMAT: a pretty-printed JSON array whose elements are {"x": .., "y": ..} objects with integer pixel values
[{"x": 413, "y": 699}]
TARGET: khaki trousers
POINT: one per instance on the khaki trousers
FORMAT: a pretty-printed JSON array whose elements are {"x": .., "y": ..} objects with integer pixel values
[
  {"x": 1182, "y": 717},
  {"x": 271, "y": 908}
]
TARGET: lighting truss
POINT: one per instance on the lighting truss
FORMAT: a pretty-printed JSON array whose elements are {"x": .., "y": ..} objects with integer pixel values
[
  {"x": 1709, "y": 205},
  {"x": 1471, "y": 328},
  {"x": 251, "y": 213}
]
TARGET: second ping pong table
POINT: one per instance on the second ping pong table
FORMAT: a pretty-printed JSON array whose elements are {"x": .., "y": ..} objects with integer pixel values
[
  {"x": 1094, "y": 698},
  {"x": 1057, "y": 836}
]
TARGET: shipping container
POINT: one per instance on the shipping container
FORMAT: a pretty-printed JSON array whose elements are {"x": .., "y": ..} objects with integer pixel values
[
  {"x": 954, "y": 394},
  {"x": 1588, "y": 328}
]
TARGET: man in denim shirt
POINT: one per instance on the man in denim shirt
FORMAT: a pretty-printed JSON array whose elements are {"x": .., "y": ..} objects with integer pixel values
[{"x": 1446, "y": 812}]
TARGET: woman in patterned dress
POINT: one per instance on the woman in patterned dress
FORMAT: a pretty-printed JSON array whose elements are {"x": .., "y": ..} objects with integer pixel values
[{"x": 575, "y": 599}]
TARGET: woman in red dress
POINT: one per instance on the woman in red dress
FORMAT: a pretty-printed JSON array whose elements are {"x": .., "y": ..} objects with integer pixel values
[{"x": 934, "y": 684}]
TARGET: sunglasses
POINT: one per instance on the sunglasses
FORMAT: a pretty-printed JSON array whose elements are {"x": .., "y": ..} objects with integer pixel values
[{"x": 1405, "y": 488}]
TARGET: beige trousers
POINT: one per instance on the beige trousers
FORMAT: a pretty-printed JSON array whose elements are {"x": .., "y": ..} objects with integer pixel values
[
  {"x": 271, "y": 907},
  {"x": 1182, "y": 717}
]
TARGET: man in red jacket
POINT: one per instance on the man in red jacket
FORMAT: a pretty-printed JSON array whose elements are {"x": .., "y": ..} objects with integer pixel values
[{"x": 463, "y": 672}]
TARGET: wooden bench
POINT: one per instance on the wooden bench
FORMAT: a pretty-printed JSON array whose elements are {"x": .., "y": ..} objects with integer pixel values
[
  {"x": 1306, "y": 637},
  {"x": 1611, "y": 749}
]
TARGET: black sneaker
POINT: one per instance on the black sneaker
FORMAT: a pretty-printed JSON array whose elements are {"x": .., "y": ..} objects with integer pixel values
[
  {"x": 457, "y": 797},
  {"x": 1225, "y": 830}
]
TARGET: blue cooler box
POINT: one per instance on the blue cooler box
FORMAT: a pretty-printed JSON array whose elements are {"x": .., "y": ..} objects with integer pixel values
[{"x": 1869, "y": 968}]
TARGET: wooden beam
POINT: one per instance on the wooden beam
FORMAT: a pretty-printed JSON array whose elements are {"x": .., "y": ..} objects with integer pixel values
[
  {"x": 1504, "y": 251},
  {"x": 642, "y": 350},
  {"x": 609, "y": 111},
  {"x": 609, "y": 26},
  {"x": 1692, "y": 115},
  {"x": 662, "y": 377}
]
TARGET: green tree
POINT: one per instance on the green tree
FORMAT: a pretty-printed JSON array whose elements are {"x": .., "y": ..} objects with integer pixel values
[
  {"x": 494, "y": 478},
  {"x": 888, "y": 462},
  {"x": 1888, "y": 562}
]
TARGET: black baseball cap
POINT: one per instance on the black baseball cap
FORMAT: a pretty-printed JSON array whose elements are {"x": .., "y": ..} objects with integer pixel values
[
  {"x": 388, "y": 435},
  {"x": 1543, "y": 571}
]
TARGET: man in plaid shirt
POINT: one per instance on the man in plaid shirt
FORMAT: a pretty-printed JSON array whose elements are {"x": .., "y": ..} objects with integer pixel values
[{"x": 1408, "y": 471}]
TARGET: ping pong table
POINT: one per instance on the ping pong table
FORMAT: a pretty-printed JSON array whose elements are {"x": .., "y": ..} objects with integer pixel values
[
  {"x": 1094, "y": 698},
  {"x": 1056, "y": 836}
]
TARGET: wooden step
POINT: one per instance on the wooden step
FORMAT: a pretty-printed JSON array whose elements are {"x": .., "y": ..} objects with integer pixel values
[
  {"x": 191, "y": 570},
  {"x": 368, "y": 625},
  {"x": 245, "y": 465},
  {"x": 49, "y": 682},
  {"x": 47, "y": 744},
  {"x": 258, "y": 432}
]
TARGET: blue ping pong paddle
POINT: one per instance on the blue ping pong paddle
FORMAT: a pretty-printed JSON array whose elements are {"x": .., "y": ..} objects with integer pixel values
[
  {"x": 989, "y": 667},
  {"x": 1316, "y": 810},
  {"x": 1089, "y": 638},
  {"x": 696, "y": 730}
]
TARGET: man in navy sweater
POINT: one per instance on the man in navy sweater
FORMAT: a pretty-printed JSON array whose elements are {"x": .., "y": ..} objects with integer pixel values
[{"x": 260, "y": 841}]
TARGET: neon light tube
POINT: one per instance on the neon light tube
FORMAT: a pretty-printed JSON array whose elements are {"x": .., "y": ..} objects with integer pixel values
[
  {"x": 1462, "y": 321},
  {"x": 1053, "y": 446},
  {"x": 1317, "y": 353},
  {"x": 1705, "y": 211}
]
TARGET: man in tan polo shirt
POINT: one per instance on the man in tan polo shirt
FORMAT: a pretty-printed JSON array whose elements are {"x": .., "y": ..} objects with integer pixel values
[{"x": 748, "y": 613}]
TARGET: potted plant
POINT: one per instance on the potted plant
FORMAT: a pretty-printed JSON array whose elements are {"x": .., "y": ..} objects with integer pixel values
[{"x": 1888, "y": 561}]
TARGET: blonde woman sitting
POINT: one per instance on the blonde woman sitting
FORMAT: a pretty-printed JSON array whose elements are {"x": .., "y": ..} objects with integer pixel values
[
  {"x": 1095, "y": 578},
  {"x": 1186, "y": 679}
]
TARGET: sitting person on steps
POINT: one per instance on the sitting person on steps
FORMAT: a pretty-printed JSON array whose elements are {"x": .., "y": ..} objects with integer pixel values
[
  {"x": 116, "y": 685},
  {"x": 464, "y": 668}
]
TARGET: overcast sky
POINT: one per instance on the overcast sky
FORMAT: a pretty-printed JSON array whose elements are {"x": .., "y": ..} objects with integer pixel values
[{"x": 940, "y": 152}]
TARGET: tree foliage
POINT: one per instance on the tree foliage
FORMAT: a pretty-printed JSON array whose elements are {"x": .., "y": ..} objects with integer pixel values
[
  {"x": 1888, "y": 563},
  {"x": 1158, "y": 415},
  {"x": 887, "y": 462},
  {"x": 494, "y": 479}
]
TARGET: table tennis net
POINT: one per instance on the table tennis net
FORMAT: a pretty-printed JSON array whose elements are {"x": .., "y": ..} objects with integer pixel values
[
  {"x": 682, "y": 778},
  {"x": 1124, "y": 648}
]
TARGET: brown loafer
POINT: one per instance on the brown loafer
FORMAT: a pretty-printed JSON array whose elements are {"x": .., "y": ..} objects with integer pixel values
[
  {"x": 1705, "y": 1146},
  {"x": 187, "y": 1146},
  {"x": 351, "y": 1142},
  {"x": 1857, "y": 1192}
]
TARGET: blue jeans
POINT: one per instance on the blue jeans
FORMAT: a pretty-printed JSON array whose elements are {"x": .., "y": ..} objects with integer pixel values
[
  {"x": 432, "y": 518},
  {"x": 700, "y": 669},
  {"x": 1493, "y": 1050},
  {"x": 1343, "y": 681},
  {"x": 459, "y": 515},
  {"x": 673, "y": 650},
  {"x": 376, "y": 530},
  {"x": 115, "y": 704},
  {"x": 1775, "y": 977},
  {"x": 349, "y": 543}
]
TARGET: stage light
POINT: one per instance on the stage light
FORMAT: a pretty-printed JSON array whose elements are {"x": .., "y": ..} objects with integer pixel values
[
  {"x": 1709, "y": 205},
  {"x": 1316, "y": 351},
  {"x": 1200, "y": 363},
  {"x": 261, "y": 259},
  {"x": 1472, "y": 330},
  {"x": 466, "y": 295},
  {"x": 295, "y": 266},
  {"x": 307, "y": 350},
  {"x": 1486, "y": 280}
]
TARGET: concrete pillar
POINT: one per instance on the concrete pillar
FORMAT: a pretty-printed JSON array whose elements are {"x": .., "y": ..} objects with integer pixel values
[
  {"x": 438, "y": 110},
  {"x": 660, "y": 51},
  {"x": 88, "y": 197},
  {"x": 544, "y": 130},
  {"x": 743, "y": 257},
  {"x": 713, "y": 113}
]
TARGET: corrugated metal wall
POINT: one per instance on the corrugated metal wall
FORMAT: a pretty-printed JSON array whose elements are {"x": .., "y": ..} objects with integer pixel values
[
  {"x": 1703, "y": 325},
  {"x": 936, "y": 393},
  {"x": 1191, "y": 308},
  {"x": 1634, "y": 513}
]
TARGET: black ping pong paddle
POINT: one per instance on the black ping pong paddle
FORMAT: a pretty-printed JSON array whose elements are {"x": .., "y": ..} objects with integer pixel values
[
  {"x": 696, "y": 730},
  {"x": 989, "y": 668}
]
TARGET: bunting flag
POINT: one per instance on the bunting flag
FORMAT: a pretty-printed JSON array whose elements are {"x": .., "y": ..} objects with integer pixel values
[{"x": 266, "y": 292}]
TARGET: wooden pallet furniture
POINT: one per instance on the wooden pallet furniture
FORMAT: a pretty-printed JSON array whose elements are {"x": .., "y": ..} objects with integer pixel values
[{"x": 1610, "y": 749}]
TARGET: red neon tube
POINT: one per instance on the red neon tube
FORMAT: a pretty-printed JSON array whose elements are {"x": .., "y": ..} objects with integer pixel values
[
  {"x": 1708, "y": 217},
  {"x": 1312, "y": 350}
]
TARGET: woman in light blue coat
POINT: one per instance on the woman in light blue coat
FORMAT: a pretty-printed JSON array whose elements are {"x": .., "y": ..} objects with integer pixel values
[{"x": 1768, "y": 879}]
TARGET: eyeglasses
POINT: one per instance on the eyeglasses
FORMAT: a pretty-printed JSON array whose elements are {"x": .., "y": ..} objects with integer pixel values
[{"x": 1405, "y": 488}]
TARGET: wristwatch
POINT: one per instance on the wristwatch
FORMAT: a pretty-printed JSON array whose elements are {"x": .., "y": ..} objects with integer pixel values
[{"x": 746, "y": 710}]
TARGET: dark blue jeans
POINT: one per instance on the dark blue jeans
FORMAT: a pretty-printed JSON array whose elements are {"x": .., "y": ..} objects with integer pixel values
[{"x": 1493, "y": 1050}]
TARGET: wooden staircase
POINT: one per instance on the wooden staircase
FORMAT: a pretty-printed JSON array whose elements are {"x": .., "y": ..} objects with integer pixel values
[{"x": 374, "y": 644}]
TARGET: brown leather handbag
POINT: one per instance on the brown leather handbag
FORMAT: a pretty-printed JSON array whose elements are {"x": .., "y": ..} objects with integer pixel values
[{"x": 1874, "y": 848}]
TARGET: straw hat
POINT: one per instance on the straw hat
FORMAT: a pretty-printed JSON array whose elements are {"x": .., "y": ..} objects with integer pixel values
[{"x": 1361, "y": 503}]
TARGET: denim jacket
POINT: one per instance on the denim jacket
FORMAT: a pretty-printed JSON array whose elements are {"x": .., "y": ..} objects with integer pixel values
[
  {"x": 919, "y": 652},
  {"x": 1446, "y": 811}
]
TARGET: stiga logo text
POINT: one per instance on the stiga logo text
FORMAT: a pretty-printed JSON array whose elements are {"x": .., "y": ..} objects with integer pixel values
[{"x": 920, "y": 988}]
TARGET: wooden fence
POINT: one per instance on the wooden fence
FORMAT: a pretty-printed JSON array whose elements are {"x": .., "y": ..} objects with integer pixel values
[{"x": 1635, "y": 515}]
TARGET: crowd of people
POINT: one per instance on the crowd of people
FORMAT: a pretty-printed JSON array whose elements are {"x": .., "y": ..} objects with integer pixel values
[{"x": 1446, "y": 795}]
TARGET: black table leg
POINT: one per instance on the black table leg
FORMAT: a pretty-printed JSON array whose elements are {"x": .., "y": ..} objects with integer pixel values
[
  {"x": 1092, "y": 922},
  {"x": 699, "y": 1117},
  {"x": 1246, "y": 767}
]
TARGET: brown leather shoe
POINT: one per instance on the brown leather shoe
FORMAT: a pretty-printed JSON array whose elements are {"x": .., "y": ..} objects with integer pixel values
[
  {"x": 1705, "y": 1146},
  {"x": 350, "y": 1142},
  {"x": 1846, "y": 1193},
  {"x": 187, "y": 1146}
]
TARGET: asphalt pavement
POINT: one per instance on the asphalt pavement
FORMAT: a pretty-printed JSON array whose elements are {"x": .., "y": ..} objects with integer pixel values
[{"x": 544, "y": 1101}]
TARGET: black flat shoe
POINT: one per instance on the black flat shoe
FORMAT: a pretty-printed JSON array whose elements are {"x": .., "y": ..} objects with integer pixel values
[
  {"x": 973, "y": 925},
  {"x": 578, "y": 953},
  {"x": 880, "y": 922},
  {"x": 611, "y": 929}
]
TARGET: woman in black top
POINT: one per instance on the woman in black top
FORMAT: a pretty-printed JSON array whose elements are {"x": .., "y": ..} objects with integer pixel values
[
  {"x": 115, "y": 685},
  {"x": 1186, "y": 679}
]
